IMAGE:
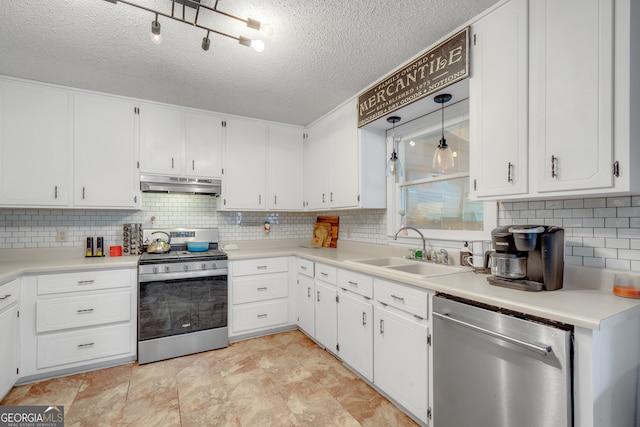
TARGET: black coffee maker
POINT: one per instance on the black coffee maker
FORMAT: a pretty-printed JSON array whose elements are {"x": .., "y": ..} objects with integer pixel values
[{"x": 527, "y": 257}]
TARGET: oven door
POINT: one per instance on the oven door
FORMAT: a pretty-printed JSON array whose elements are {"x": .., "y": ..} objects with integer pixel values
[{"x": 179, "y": 306}]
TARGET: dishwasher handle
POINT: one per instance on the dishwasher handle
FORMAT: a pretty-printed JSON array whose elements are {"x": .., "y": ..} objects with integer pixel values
[{"x": 542, "y": 350}]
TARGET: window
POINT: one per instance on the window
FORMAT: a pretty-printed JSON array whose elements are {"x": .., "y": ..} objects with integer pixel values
[{"x": 438, "y": 203}]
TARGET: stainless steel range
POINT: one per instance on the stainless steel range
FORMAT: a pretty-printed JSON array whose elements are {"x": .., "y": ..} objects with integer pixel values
[{"x": 182, "y": 295}]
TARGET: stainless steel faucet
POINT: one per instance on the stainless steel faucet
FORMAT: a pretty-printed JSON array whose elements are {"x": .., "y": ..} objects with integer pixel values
[{"x": 424, "y": 241}]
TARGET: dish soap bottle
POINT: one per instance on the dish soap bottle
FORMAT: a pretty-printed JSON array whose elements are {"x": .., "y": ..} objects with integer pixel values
[{"x": 465, "y": 253}]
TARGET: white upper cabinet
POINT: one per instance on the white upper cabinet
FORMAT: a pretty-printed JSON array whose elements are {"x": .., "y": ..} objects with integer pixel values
[
  {"x": 343, "y": 166},
  {"x": 572, "y": 88},
  {"x": 498, "y": 89},
  {"x": 244, "y": 184},
  {"x": 284, "y": 168},
  {"x": 104, "y": 152},
  {"x": 203, "y": 145},
  {"x": 161, "y": 140},
  {"x": 35, "y": 145}
]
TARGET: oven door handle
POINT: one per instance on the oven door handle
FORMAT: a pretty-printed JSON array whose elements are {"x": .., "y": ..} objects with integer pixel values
[
  {"x": 194, "y": 274},
  {"x": 542, "y": 350}
]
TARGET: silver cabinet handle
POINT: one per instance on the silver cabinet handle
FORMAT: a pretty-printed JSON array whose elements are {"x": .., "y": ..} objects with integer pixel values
[
  {"x": 302, "y": 267},
  {"x": 86, "y": 282},
  {"x": 262, "y": 267},
  {"x": 353, "y": 283},
  {"x": 5, "y": 297},
  {"x": 397, "y": 298},
  {"x": 172, "y": 163},
  {"x": 364, "y": 319},
  {"x": 87, "y": 345},
  {"x": 263, "y": 288},
  {"x": 275, "y": 200},
  {"x": 261, "y": 316},
  {"x": 82, "y": 193},
  {"x": 381, "y": 326},
  {"x": 86, "y": 310},
  {"x": 331, "y": 196},
  {"x": 186, "y": 325},
  {"x": 322, "y": 197},
  {"x": 259, "y": 199},
  {"x": 509, "y": 169},
  {"x": 193, "y": 165},
  {"x": 324, "y": 274},
  {"x": 542, "y": 350},
  {"x": 308, "y": 292},
  {"x": 554, "y": 160},
  {"x": 318, "y": 295},
  {"x": 55, "y": 192}
]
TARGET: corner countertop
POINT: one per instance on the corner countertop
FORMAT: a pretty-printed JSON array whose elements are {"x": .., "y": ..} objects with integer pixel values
[{"x": 586, "y": 299}]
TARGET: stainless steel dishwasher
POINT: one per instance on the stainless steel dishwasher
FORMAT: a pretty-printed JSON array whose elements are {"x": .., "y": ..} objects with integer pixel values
[{"x": 494, "y": 367}]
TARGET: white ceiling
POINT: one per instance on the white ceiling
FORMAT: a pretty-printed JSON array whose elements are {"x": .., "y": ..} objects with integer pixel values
[{"x": 322, "y": 52}]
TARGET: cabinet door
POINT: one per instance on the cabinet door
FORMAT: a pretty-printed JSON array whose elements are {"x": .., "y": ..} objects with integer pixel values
[
  {"x": 203, "y": 146},
  {"x": 344, "y": 169},
  {"x": 305, "y": 304},
  {"x": 161, "y": 140},
  {"x": 355, "y": 333},
  {"x": 499, "y": 102},
  {"x": 284, "y": 168},
  {"x": 572, "y": 93},
  {"x": 35, "y": 145},
  {"x": 316, "y": 172},
  {"x": 245, "y": 167},
  {"x": 9, "y": 356},
  {"x": 401, "y": 360},
  {"x": 326, "y": 316},
  {"x": 104, "y": 152}
]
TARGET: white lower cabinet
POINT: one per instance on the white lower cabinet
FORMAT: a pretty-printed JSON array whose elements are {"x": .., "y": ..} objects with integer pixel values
[
  {"x": 9, "y": 336},
  {"x": 259, "y": 295},
  {"x": 401, "y": 350},
  {"x": 77, "y": 319},
  {"x": 326, "y": 315},
  {"x": 355, "y": 322}
]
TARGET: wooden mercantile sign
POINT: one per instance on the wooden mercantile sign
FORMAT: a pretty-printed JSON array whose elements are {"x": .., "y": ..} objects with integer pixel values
[{"x": 438, "y": 68}]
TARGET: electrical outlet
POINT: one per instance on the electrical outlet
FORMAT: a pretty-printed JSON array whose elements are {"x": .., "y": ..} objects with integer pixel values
[{"x": 62, "y": 235}]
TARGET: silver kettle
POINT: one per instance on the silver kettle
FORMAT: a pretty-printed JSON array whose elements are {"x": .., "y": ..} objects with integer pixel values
[{"x": 159, "y": 246}]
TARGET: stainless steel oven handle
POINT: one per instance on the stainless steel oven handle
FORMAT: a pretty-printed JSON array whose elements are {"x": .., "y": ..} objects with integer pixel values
[
  {"x": 542, "y": 350},
  {"x": 181, "y": 275}
]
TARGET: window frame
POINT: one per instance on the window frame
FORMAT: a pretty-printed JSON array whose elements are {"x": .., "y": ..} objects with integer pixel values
[{"x": 431, "y": 122}]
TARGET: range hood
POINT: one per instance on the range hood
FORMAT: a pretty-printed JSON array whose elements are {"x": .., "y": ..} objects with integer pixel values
[{"x": 176, "y": 184}]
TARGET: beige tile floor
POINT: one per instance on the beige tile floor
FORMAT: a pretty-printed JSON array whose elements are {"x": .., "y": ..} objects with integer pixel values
[{"x": 277, "y": 380}]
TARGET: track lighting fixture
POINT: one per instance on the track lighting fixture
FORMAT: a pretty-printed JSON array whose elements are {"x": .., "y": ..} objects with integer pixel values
[{"x": 156, "y": 37}]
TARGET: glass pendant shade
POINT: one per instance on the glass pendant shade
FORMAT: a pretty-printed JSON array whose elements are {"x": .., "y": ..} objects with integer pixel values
[
  {"x": 443, "y": 157},
  {"x": 394, "y": 167}
]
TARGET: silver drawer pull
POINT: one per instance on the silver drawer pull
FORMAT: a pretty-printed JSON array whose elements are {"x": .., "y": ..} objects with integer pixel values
[
  {"x": 86, "y": 345},
  {"x": 85, "y": 282},
  {"x": 324, "y": 274},
  {"x": 264, "y": 288},
  {"x": 186, "y": 325},
  {"x": 397, "y": 298},
  {"x": 302, "y": 267},
  {"x": 353, "y": 283},
  {"x": 262, "y": 267},
  {"x": 261, "y": 316},
  {"x": 5, "y": 297},
  {"x": 86, "y": 310},
  {"x": 542, "y": 350}
]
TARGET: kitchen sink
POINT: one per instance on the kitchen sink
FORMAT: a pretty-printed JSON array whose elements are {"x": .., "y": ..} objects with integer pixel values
[
  {"x": 384, "y": 261},
  {"x": 426, "y": 269}
]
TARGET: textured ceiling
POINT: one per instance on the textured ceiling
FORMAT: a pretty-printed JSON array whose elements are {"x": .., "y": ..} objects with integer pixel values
[{"x": 322, "y": 52}]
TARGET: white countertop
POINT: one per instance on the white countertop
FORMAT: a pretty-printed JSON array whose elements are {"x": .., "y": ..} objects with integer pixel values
[{"x": 586, "y": 299}]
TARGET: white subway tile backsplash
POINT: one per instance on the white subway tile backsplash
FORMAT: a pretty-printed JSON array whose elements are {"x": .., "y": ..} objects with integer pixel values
[{"x": 599, "y": 232}]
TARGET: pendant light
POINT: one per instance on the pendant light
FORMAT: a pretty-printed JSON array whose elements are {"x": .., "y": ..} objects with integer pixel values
[
  {"x": 394, "y": 167},
  {"x": 443, "y": 157}
]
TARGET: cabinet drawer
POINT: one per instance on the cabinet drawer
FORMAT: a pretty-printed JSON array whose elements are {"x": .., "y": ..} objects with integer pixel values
[
  {"x": 78, "y": 346},
  {"x": 403, "y": 297},
  {"x": 326, "y": 273},
  {"x": 356, "y": 282},
  {"x": 78, "y": 311},
  {"x": 83, "y": 281},
  {"x": 260, "y": 288},
  {"x": 9, "y": 293},
  {"x": 260, "y": 266},
  {"x": 262, "y": 315},
  {"x": 305, "y": 267}
]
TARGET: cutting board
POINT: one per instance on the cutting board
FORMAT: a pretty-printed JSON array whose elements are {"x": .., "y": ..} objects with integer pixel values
[
  {"x": 334, "y": 221},
  {"x": 321, "y": 235}
]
